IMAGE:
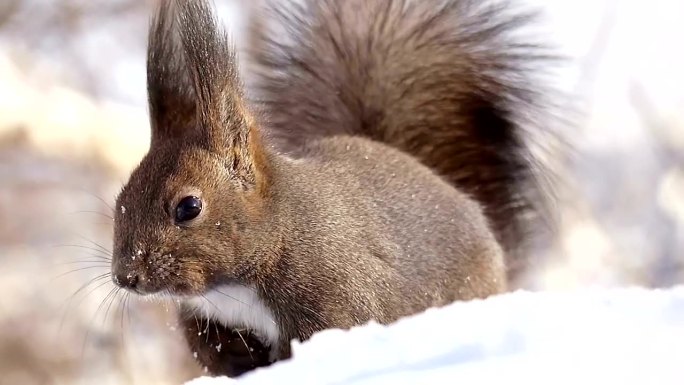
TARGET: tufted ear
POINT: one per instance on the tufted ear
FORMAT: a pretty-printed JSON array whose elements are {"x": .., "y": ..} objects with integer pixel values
[
  {"x": 195, "y": 90},
  {"x": 170, "y": 94}
]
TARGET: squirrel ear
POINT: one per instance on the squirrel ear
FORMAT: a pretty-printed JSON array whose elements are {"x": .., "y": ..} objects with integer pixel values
[
  {"x": 170, "y": 90},
  {"x": 225, "y": 125}
]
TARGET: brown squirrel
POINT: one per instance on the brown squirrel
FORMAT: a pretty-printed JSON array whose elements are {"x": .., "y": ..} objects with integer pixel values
[{"x": 378, "y": 171}]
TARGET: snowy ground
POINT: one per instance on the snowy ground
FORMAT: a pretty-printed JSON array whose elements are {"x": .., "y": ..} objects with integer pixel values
[{"x": 620, "y": 336}]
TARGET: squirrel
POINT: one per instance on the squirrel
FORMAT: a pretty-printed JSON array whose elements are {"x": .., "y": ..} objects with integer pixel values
[{"x": 375, "y": 169}]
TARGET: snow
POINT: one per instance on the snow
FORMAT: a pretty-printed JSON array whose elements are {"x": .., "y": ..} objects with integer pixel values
[{"x": 590, "y": 336}]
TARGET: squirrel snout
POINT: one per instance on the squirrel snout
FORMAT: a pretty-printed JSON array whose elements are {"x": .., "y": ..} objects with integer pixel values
[
  {"x": 126, "y": 276},
  {"x": 126, "y": 280},
  {"x": 142, "y": 273}
]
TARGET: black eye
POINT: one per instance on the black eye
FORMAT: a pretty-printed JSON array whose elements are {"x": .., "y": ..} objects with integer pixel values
[{"x": 188, "y": 208}]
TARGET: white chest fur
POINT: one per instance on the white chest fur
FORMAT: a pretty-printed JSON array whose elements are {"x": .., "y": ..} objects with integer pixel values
[{"x": 236, "y": 305}]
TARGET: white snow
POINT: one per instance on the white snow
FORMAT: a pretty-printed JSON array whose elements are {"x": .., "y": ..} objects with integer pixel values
[
  {"x": 592, "y": 336},
  {"x": 210, "y": 381}
]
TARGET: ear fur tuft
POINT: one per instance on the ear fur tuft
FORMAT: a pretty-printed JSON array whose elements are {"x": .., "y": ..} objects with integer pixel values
[
  {"x": 195, "y": 90},
  {"x": 170, "y": 94}
]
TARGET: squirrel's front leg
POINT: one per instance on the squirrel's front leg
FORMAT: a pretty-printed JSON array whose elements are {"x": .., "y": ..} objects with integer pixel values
[{"x": 222, "y": 350}]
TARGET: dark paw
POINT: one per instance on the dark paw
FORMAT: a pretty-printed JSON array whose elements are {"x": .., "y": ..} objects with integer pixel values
[
  {"x": 241, "y": 351},
  {"x": 224, "y": 350}
]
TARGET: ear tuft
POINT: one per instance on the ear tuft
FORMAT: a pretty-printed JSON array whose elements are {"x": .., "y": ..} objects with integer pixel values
[
  {"x": 212, "y": 63},
  {"x": 170, "y": 93},
  {"x": 195, "y": 86}
]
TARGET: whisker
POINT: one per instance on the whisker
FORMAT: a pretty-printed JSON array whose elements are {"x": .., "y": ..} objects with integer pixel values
[
  {"x": 91, "y": 281},
  {"x": 97, "y": 311},
  {"x": 277, "y": 315},
  {"x": 122, "y": 344},
  {"x": 82, "y": 261},
  {"x": 106, "y": 250},
  {"x": 97, "y": 197},
  {"x": 211, "y": 303},
  {"x": 199, "y": 333},
  {"x": 119, "y": 303},
  {"x": 176, "y": 303},
  {"x": 91, "y": 263},
  {"x": 85, "y": 285},
  {"x": 245, "y": 342},
  {"x": 92, "y": 291},
  {"x": 249, "y": 305},
  {"x": 128, "y": 308},
  {"x": 103, "y": 258},
  {"x": 92, "y": 212},
  {"x": 206, "y": 331},
  {"x": 122, "y": 305},
  {"x": 165, "y": 301},
  {"x": 106, "y": 254},
  {"x": 80, "y": 269},
  {"x": 100, "y": 258},
  {"x": 218, "y": 310},
  {"x": 123, "y": 300},
  {"x": 231, "y": 297},
  {"x": 218, "y": 335},
  {"x": 116, "y": 293},
  {"x": 73, "y": 296}
]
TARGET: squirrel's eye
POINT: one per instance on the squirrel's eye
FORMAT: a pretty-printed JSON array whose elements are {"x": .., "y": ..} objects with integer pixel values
[{"x": 188, "y": 208}]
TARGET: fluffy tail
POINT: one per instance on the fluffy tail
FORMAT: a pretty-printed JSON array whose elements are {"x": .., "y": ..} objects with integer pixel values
[{"x": 443, "y": 80}]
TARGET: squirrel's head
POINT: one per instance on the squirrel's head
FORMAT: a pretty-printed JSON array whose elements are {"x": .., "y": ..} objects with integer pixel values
[{"x": 182, "y": 217}]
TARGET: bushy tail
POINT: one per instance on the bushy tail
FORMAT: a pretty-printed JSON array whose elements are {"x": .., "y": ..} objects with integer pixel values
[{"x": 443, "y": 80}]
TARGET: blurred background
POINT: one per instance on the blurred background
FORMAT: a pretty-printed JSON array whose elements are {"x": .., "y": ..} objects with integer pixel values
[{"x": 73, "y": 124}]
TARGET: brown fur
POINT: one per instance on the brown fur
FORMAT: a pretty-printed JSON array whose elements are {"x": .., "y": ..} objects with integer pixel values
[
  {"x": 394, "y": 151},
  {"x": 441, "y": 80}
]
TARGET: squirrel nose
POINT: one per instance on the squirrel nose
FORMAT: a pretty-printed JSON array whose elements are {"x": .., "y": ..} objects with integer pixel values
[{"x": 126, "y": 281}]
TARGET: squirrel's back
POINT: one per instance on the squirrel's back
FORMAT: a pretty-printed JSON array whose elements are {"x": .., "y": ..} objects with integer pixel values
[{"x": 444, "y": 81}]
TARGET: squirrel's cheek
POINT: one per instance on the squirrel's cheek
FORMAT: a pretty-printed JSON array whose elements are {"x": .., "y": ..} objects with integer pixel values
[{"x": 191, "y": 282}]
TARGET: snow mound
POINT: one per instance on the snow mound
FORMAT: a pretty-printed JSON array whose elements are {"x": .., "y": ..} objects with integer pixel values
[{"x": 597, "y": 336}]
